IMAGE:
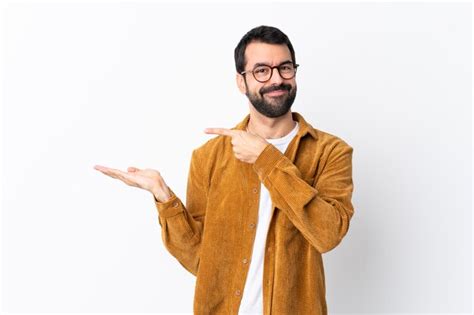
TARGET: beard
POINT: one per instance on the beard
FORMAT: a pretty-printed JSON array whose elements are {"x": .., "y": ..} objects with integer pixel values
[{"x": 272, "y": 106}]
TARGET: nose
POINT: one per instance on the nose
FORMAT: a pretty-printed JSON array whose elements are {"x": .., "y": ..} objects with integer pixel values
[{"x": 275, "y": 79}]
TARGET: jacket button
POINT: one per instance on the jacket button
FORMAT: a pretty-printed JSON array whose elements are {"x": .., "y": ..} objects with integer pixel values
[
  {"x": 251, "y": 225},
  {"x": 237, "y": 292},
  {"x": 254, "y": 190},
  {"x": 175, "y": 204},
  {"x": 245, "y": 260}
]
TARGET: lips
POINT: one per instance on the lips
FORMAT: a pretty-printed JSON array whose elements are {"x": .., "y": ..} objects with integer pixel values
[{"x": 276, "y": 92}]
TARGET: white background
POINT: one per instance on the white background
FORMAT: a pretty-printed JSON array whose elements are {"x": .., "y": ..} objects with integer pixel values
[{"x": 135, "y": 84}]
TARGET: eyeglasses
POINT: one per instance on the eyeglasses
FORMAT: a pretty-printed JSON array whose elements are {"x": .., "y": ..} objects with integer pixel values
[{"x": 264, "y": 73}]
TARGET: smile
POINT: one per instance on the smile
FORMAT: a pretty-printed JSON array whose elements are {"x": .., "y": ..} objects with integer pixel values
[{"x": 276, "y": 93}]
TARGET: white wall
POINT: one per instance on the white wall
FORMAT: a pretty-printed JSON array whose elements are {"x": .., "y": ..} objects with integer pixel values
[{"x": 135, "y": 84}]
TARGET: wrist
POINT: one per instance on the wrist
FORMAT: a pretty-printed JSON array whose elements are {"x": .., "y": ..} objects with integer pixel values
[{"x": 160, "y": 196}]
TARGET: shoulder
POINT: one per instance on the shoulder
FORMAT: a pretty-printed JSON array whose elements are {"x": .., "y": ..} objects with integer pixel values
[
  {"x": 321, "y": 140},
  {"x": 331, "y": 143}
]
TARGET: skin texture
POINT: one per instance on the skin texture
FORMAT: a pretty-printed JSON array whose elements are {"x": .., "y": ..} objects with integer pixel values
[
  {"x": 247, "y": 145},
  {"x": 265, "y": 103},
  {"x": 272, "y": 55},
  {"x": 147, "y": 179}
]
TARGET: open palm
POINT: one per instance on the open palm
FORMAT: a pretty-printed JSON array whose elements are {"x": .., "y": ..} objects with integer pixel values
[{"x": 148, "y": 179}]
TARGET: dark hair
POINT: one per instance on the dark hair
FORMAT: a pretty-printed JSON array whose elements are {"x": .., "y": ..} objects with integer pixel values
[{"x": 263, "y": 34}]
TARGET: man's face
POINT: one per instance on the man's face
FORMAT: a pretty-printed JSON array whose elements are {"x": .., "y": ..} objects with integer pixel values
[{"x": 274, "y": 97}]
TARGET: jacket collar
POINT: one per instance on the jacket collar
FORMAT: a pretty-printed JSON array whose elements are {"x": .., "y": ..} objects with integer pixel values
[{"x": 304, "y": 126}]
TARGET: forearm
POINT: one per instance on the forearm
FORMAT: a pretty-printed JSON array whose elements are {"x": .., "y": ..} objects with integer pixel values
[{"x": 321, "y": 213}]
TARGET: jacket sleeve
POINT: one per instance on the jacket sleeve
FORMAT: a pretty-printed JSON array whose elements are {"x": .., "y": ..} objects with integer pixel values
[
  {"x": 321, "y": 212},
  {"x": 182, "y": 226}
]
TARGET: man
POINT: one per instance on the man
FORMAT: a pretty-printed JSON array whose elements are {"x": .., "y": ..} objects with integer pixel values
[{"x": 264, "y": 199}]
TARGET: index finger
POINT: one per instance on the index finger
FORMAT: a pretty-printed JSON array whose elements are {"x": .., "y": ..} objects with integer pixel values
[{"x": 220, "y": 131}]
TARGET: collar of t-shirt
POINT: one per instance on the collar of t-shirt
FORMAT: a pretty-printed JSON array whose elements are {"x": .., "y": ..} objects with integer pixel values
[{"x": 286, "y": 138}]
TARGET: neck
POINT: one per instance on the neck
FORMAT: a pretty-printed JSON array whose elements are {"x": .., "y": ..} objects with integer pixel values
[{"x": 270, "y": 128}]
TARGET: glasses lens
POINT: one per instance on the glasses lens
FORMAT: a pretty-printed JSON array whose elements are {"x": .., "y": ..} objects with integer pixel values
[
  {"x": 287, "y": 71},
  {"x": 262, "y": 73}
]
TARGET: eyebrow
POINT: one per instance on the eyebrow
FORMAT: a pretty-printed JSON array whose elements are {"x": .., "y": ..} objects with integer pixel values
[{"x": 264, "y": 64}]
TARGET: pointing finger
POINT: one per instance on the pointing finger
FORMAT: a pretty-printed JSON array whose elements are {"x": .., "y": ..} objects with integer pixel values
[{"x": 220, "y": 131}]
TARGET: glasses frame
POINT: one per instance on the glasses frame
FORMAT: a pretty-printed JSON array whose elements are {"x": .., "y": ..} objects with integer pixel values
[{"x": 271, "y": 73}]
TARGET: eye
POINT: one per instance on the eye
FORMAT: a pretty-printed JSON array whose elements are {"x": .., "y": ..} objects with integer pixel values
[{"x": 261, "y": 70}]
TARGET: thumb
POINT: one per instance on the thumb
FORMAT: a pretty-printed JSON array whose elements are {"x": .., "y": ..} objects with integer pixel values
[{"x": 132, "y": 169}]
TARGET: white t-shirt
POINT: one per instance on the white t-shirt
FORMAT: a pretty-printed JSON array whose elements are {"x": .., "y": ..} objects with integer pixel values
[{"x": 252, "y": 299}]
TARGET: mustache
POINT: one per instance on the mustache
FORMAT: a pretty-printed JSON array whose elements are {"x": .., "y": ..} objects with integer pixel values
[{"x": 283, "y": 87}]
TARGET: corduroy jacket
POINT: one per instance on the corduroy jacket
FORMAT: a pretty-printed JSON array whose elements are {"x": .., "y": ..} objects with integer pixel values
[{"x": 310, "y": 186}]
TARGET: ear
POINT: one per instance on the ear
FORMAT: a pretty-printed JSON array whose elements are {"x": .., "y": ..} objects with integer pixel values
[{"x": 239, "y": 78}]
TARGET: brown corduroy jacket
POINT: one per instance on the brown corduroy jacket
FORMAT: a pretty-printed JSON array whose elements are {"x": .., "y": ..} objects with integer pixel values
[{"x": 212, "y": 235}]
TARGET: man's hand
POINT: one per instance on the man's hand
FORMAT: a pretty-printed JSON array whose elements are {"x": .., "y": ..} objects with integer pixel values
[
  {"x": 147, "y": 179},
  {"x": 247, "y": 146}
]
